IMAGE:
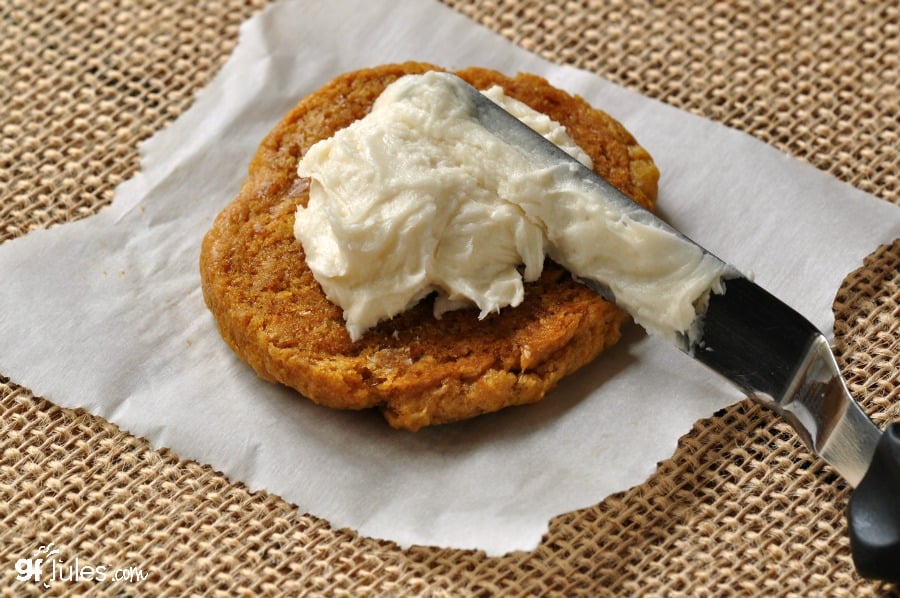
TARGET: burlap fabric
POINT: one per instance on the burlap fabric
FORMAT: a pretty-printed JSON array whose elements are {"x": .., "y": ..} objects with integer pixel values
[{"x": 741, "y": 508}]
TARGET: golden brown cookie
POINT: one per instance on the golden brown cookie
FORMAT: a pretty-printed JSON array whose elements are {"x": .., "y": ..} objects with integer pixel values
[{"x": 419, "y": 370}]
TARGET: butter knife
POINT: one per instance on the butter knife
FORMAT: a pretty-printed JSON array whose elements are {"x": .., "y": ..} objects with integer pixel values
[{"x": 777, "y": 357}]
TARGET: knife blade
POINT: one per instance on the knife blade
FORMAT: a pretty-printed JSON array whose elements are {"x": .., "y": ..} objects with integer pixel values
[{"x": 775, "y": 356}]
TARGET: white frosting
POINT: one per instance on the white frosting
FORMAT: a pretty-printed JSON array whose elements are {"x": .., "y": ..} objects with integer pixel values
[{"x": 419, "y": 197}]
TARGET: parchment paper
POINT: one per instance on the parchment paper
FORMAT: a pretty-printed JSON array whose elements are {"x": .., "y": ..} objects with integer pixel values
[{"x": 106, "y": 313}]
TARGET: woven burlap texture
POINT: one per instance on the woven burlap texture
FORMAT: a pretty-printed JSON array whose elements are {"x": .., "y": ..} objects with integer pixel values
[{"x": 741, "y": 508}]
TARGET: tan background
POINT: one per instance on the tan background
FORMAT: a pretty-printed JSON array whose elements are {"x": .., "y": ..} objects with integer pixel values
[{"x": 740, "y": 508}]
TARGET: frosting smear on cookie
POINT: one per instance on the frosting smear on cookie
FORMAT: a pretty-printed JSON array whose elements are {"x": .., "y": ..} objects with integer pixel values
[{"x": 418, "y": 197}]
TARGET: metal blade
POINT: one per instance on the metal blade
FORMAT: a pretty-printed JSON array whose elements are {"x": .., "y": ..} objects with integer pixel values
[
  {"x": 780, "y": 359},
  {"x": 761, "y": 345}
]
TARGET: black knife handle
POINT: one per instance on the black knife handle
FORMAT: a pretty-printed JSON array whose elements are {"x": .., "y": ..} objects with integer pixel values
[{"x": 874, "y": 512}]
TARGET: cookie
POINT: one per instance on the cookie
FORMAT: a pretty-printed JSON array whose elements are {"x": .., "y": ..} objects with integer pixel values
[{"x": 417, "y": 369}]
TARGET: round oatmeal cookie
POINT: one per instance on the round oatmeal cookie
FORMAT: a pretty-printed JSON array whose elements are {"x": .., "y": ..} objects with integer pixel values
[{"x": 417, "y": 369}]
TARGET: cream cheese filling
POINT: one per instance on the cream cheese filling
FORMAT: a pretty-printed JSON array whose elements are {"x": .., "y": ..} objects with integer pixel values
[{"x": 418, "y": 197}]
